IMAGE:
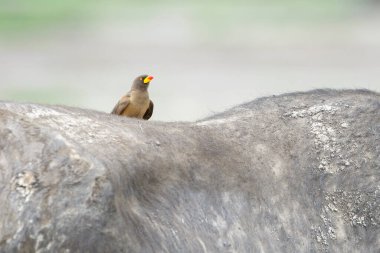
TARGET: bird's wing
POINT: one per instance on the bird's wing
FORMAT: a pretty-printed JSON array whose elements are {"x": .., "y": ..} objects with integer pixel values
[
  {"x": 121, "y": 105},
  {"x": 149, "y": 112}
]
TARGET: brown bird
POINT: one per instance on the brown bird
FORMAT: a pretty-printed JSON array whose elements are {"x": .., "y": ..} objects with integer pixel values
[{"x": 136, "y": 102}]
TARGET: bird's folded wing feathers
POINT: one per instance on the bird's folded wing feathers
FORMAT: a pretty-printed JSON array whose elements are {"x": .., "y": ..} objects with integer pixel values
[
  {"x": 121, "y": 105},
  {"x": 149, "y": 112}
]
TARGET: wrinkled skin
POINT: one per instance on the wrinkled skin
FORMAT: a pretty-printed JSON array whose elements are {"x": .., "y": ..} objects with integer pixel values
[{"x": 292, "y": 173}]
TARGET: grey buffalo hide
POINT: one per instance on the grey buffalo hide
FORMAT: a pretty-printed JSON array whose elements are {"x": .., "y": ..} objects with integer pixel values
[{"x": 292, "y": 173}]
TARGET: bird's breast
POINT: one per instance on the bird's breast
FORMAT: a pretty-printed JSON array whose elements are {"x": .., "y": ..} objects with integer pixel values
[
  {"x": 139, "y": 98},
  {"x": 138, "y": 104}
]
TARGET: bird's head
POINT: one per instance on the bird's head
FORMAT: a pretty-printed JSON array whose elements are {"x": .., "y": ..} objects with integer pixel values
[{"x": 142, "y": 82}]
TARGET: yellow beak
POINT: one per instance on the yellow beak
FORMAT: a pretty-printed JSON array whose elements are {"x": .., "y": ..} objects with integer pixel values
[{"x": 148, "y": 79}]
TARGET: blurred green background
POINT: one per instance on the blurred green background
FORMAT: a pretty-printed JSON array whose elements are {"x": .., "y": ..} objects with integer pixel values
[{"x": 206, "y": 56}]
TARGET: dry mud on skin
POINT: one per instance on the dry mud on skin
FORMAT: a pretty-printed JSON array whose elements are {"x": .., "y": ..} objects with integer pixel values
[{"x": 292, "y": 173}]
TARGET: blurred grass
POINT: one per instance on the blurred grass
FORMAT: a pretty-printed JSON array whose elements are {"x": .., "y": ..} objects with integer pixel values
[
  {"x": 22, "y": 15},
  {"x": 25, "y": 15},
  {"x": 207, "y": 24},
  {"x": 43, "y": 95}
]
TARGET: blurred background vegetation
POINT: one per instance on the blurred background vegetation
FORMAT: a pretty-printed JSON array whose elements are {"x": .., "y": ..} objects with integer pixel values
[{"x": 206, "y": 55}]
